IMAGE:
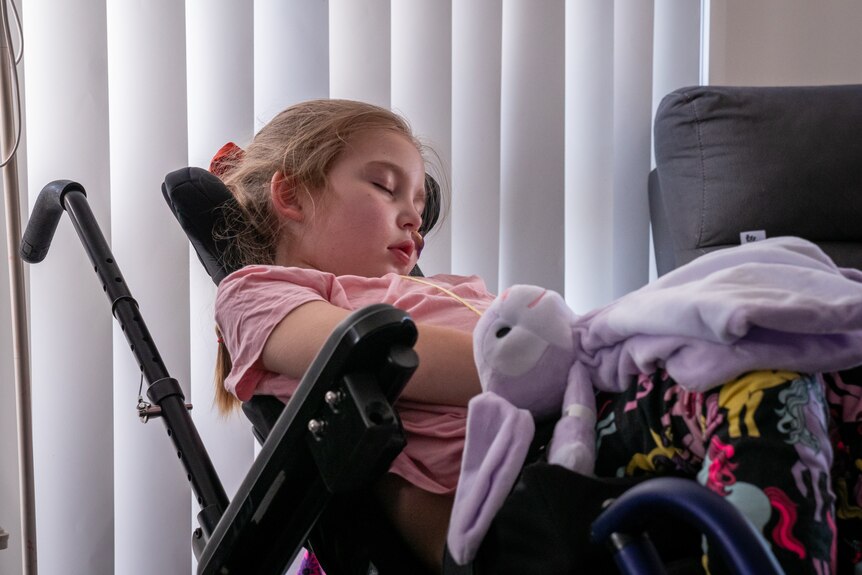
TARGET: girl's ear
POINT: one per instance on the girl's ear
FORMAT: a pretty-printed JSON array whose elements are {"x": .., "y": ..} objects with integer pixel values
[{"x": 285, "y": 198}]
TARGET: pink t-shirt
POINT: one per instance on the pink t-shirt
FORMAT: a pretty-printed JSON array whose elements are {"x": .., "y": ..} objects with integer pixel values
[{"x": 254, "y": 299}]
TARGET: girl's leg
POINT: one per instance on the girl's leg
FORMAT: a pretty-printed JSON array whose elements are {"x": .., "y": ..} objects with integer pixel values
[
  {"x": 420, "y": 517},
  {"x": 768, "y": 453},
  {"x": 761, "y": 441},
  {"x": 652, "y": 428},
  {"x": 844, "y": 396}
]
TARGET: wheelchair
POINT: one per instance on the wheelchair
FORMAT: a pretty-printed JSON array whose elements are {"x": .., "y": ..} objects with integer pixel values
[{"x": 310, "y": 485}]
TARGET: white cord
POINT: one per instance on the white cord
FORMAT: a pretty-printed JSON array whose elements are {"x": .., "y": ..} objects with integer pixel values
[
  {"x": 20, "y": 32},
  {"x": 15, "y": 60}
]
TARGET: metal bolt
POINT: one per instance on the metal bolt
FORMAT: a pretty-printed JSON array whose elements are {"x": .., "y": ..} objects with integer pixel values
[
  {"x": 332, "y": 399},
  {"x": 316, "y": 427}
]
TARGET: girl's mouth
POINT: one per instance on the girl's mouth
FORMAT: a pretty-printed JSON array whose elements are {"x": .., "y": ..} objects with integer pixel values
[{"x": 404, "y": 251}]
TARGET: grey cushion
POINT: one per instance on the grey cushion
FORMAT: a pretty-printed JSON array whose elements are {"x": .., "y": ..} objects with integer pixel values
[{"x": 785, "y": 160}]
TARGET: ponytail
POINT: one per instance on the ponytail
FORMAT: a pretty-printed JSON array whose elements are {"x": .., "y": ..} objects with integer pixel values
[{"x": 224, "y": 400}]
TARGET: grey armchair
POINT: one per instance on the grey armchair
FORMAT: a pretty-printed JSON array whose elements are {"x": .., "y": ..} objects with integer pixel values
[{"x": 735, "y": 160}]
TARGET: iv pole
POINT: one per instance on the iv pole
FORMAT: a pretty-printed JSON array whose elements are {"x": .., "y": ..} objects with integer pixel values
[{"x": 20, "y": 338}]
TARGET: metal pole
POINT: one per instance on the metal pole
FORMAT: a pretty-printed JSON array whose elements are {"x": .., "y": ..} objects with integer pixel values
[{"x": 20, "y": 338}]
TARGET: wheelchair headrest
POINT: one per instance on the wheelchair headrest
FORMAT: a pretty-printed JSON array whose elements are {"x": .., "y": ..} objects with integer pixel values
[{"x": 200, "y": 200}]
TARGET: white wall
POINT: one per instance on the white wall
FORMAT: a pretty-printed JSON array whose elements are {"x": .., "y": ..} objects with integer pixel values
[{"x": 785, "y": 42}]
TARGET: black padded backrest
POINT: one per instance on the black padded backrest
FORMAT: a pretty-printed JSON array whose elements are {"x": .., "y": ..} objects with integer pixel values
[
  {"x": 199, "y": 200},
  {"x": 785, "y": 160}
]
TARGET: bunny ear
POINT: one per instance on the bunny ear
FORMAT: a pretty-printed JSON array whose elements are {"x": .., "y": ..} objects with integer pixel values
[{"x": 498, "y": 437}]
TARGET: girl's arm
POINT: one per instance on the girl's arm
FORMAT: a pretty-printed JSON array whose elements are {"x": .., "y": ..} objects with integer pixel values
[{"x": 446, "y": 374}]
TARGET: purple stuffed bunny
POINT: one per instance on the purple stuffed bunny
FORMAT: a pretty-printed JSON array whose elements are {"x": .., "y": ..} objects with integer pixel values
[{"x": 524, "y": 351}]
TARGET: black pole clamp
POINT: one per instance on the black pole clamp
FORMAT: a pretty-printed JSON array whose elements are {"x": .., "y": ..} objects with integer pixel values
[{"x": 157, "y": 392}]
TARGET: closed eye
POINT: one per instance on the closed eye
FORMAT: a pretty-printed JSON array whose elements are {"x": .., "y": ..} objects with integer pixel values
[{"x": 383, "y": 188}]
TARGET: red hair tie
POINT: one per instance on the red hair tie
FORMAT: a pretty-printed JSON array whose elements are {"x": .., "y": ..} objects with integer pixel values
[{"x": 225, "y": 159}]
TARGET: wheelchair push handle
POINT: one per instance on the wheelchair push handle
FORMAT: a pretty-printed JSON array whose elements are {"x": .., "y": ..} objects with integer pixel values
[
  {"x": 163, "y": 390},
  {"x": 44, "y": 219}
]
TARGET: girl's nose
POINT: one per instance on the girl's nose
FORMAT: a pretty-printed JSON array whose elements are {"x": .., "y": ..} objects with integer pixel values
[{"x": 411, "y": 217}]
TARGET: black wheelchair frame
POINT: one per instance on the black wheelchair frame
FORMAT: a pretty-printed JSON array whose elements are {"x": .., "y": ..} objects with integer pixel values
[{"x": 337, "y": 434}]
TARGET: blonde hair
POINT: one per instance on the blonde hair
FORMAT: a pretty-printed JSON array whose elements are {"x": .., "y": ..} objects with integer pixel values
[{"x": 302, "y": 142}]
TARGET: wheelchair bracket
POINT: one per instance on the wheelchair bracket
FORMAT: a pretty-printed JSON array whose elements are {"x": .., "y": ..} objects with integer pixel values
[
  {"x": 148, "y": 411},
  {"x": 158, "y": 391},
  {"x": 358, "y": 424}
]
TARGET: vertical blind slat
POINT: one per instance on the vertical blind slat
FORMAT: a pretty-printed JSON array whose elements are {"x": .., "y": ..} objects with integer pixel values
[
  {"x": 532, "y": 138},
  {"x": 477, "y": 30},
  {"x": 291, "y": 55},
  {"x": 219, "y": 36},
  {"x": 67, "y": 123},
  {"x": 422, "y": 91},
  {"x": 148, "y": 127},
  {"x": 633, "y": 42},
  {"x": 589, "y": 153},
  {"x": 359, "y": 50}
]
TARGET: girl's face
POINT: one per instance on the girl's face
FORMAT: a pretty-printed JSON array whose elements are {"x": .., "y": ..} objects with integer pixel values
[{"x": 363, "y": 222}]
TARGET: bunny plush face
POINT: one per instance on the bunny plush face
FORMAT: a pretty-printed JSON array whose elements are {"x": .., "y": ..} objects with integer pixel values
[{"x": 523, "y": 347}]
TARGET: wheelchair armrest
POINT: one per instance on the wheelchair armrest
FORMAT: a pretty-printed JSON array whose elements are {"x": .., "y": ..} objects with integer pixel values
[{"x": 338, "y": 433}]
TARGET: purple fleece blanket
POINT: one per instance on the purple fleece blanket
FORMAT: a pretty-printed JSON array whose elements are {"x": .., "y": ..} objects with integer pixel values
[{"x": 775, "y": 304}]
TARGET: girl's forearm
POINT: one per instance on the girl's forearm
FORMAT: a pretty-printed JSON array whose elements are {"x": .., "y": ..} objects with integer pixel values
[{"x": 446, "y": 374}]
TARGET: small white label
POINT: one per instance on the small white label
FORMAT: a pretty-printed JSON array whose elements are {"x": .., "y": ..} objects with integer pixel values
[{"x": 752, "y": 236}]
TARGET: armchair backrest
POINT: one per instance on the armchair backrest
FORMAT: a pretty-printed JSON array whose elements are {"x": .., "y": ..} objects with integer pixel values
[{"x": 732, "y": 160}]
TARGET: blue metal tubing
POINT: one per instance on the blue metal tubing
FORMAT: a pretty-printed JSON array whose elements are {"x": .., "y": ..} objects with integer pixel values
[{"x": 744, "y": 550}]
